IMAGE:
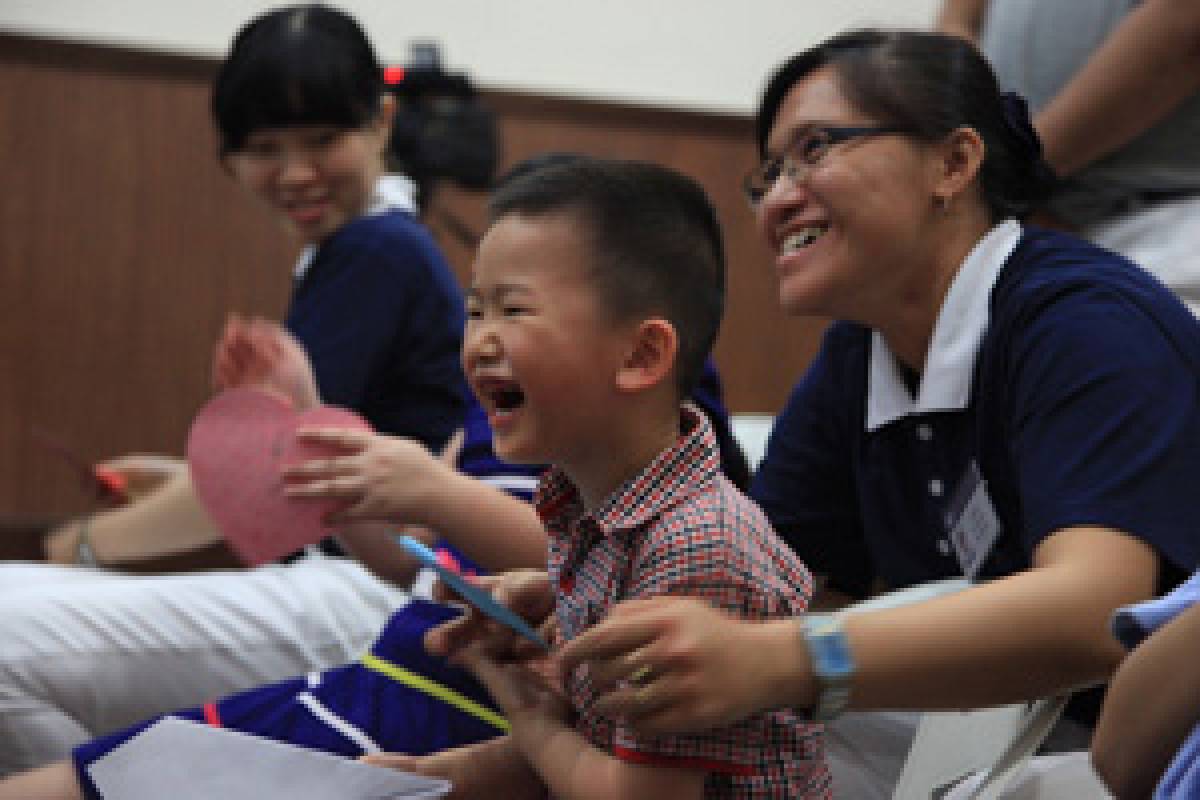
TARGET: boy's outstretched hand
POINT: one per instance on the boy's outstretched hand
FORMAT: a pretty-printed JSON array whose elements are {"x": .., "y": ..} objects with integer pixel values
[
  {"x": 527, "y": 592},
  {"x": 261, "y": 353},
  {"x": 452, "y": 765},
  {"x": 380, "y": 477},
  {"x": 525, "y": 690},
  {"x": 479, "y": 771},
  {"x": 521, "y": 677}
]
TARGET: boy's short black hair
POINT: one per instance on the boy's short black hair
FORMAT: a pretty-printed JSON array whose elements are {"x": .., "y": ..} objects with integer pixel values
[
  {"x": 296, "y": 65},
  {"x": 655, "y": 238}
]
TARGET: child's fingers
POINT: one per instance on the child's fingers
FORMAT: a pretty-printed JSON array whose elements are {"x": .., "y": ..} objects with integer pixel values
[
  {"x": 224, "y": 364},
  {"x": 321, "y": 468},
  {"x": 400, "y": 761},
  {"x": 450, "y": 638},
  {"x": 348, "y": 439},
  {"x": 344, "y": 487},
  {"x": 444, "y": 592}
]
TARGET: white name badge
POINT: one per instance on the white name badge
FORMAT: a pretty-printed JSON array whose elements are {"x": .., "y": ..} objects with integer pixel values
[{"x": 972, "y": 521}]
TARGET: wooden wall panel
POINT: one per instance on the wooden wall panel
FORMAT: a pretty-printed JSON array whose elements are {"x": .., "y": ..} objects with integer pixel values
[{"x": 123, "y": 245}]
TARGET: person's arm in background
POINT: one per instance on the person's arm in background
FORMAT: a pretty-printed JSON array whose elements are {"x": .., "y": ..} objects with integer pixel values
[
  {"x": 1145, "y": 69},
  {"x": 962, "y": 18},
  {"x": 170, "y": 519},
  {"x": 1152, "y": 704},
  {"x": 166, "y": 521},
  {"x": 1148, "y": 66}
]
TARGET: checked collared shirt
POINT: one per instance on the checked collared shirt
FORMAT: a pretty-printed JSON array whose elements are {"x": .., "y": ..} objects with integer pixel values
[{"x": 680, "y": 528}]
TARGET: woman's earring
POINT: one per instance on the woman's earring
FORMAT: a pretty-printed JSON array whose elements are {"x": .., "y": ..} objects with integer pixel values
[{"x": 941, "y": 203}]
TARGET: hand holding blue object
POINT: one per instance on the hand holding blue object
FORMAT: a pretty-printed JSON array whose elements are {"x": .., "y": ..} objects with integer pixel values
[{"x": 477, "y": 597}]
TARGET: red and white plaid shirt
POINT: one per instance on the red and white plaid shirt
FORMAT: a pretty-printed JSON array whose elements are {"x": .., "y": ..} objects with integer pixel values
[{"x": 681, "y": 528}]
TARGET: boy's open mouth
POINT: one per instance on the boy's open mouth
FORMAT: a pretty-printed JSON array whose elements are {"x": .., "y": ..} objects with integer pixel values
[{"x": 504, "y": 397}]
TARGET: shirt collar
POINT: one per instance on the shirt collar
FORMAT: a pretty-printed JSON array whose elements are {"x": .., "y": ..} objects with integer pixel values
[
  {"x": 961, "y": 322},
  {"x": 391, "y": 193},
  {"x": 675, "y": 473}
]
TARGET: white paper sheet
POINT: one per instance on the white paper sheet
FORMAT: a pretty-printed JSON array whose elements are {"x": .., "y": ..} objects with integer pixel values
[{"x": 184, "y": 760}]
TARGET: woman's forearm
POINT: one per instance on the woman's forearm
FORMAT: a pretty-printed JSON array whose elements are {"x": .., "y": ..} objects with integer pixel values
[
  {"x": 1013, "y": 639},
  {"x": 167, "y": 521}
]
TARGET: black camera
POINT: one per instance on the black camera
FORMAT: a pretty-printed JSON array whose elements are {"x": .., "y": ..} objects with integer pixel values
[{"x": 442, "y": 130}]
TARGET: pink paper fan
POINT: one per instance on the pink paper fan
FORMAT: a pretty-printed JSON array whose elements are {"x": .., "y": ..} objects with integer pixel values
[{"x": 238, "y": 445}]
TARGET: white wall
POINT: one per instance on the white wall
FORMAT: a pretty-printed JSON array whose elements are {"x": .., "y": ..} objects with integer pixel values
[{"x": 700, "y": 54}]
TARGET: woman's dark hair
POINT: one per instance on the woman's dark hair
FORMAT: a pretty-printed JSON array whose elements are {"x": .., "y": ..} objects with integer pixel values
[
  {"x": 297, "y": 65},
  {"x": 654, "y": 236},
  {"x": 929, "y": 84}
]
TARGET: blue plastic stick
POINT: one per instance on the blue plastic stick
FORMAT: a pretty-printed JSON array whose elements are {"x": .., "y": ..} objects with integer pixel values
[{"x": 477, "y": 597}]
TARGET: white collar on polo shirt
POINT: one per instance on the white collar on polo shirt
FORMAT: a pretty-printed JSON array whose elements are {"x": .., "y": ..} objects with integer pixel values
[
  {"x": 950, "y": 363},
  {"x": 392, "y": 193}
]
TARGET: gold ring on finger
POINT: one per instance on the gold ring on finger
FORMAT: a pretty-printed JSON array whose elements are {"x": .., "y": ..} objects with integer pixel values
[{"x": 640, "y": 676}]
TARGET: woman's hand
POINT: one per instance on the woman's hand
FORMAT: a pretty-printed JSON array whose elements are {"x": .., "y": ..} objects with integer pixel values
[
  {"x": 141, "y": 474},
  {"x": 676, "y": 664},
  {"x": 262, "y": 354},
  {"x": 379, "y": 477}
]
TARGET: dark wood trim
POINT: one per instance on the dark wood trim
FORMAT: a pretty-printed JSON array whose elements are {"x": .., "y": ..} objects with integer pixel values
[{"x": 105, "y": 59}]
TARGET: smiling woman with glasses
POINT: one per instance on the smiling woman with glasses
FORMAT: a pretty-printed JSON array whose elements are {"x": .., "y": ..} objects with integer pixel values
[{"x": 993, "y": 401}]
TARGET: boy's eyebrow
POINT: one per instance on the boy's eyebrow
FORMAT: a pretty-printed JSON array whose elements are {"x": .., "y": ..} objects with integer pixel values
[{"x": 498, "y": 289}]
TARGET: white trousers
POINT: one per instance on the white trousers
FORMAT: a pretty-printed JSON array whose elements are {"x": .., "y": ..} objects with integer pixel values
[{"x": 85, "y": 652}]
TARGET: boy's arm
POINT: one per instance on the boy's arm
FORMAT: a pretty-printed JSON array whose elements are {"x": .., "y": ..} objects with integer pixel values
[
  {"x": 570, "y": 766},
  {"x": 574, "y": 769},
  {"x": 396, "y": 480},
  {"x": 1152, "y": 704},
  {"x": 475, "y": 770}
]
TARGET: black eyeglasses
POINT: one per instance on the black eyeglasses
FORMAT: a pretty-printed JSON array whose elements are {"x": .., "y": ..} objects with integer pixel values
[{"x": 804, "y": 153}]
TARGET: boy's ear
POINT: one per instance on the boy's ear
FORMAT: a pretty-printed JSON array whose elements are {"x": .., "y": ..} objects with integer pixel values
[{"x": 651, "y": 357}]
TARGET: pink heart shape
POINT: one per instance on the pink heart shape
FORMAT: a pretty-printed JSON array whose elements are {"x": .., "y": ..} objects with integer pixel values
[{"x": 238, "y": 444}]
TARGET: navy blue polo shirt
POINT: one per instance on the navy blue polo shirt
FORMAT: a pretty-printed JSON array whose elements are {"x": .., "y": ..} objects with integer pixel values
[
  {"x": 381, "y": 315},
  {"x": 1083, "y": 409}
]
